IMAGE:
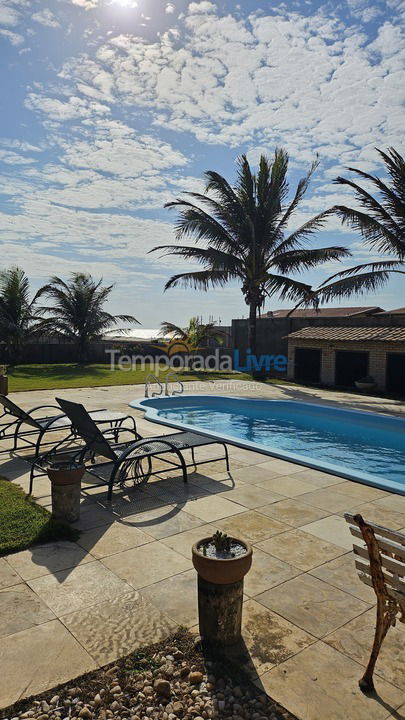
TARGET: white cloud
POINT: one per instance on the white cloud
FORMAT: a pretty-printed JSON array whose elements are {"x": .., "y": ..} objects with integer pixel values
[
  {"x": 15, "y": 38},
  {"x": 170, "y": 8},
  {"x": 46, "y": 17},
  {"x": 9, "y": 15}
]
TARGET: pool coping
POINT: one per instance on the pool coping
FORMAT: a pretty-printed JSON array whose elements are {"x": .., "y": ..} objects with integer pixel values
[{"x": 152, "y": 414}]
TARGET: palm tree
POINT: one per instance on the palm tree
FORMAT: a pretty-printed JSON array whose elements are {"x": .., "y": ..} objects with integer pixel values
[
  {"x": 196, "y": 334},
  {"x": 242, "y": 229},
  {"x": 381, "y": 223},
  {"x": 18, "y": 314},
  {"x": 77, "y": 312}
]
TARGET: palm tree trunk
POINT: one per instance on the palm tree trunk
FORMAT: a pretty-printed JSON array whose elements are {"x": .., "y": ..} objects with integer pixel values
[{"x": 252, "y": 328}]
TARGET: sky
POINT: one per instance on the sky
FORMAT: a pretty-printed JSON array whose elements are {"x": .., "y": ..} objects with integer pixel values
[{"x": 111, "y": 108}]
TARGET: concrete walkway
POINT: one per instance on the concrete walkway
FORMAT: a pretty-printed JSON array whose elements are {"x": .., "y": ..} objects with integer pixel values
[{"x": 66, "y": 608}]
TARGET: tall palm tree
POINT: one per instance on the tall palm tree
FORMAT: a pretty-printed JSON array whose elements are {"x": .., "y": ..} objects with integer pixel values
[
  {"x": 18, "y": 313},
  {"x": 196, "y": 334},
  {"x": 381, "y": 222},
  {"x": 242, "y": 229},
  {"x": 77, "y": 311}
]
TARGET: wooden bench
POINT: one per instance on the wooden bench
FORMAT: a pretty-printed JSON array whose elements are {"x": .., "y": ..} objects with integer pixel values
[{"x": 380, "y": 562}]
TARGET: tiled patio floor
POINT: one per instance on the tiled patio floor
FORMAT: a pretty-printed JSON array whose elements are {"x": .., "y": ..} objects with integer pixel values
[{"x": 66, "y": 608}]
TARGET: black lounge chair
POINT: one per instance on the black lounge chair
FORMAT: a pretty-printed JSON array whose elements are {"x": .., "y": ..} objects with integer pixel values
[
  {"x": 27, "y": 429},
  {"x": 132, "y": 460}
]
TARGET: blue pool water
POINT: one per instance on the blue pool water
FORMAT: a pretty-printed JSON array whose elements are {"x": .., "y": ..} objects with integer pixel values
[{"x": 362, "y": 446}]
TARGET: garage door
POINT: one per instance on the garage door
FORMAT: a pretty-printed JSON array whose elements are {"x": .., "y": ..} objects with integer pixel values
[
  {"x": 396, "y": 373},
  {"x": 307, "y": 365},
  {"x": 350, "y": 366}
]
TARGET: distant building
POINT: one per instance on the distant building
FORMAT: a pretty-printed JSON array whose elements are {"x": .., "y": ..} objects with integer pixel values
[
  {"x": 325, "y": 312},
  {"x": 341, "y": 355},
  {"x": 398, "y": 312}
]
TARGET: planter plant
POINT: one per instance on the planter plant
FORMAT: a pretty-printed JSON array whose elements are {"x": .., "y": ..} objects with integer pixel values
[
  {"x": 65, "y": 472},
  {"x": 221, "y": 563},
  {"x": 366, "y": 383},
  {"x": 222, "y": 560}
]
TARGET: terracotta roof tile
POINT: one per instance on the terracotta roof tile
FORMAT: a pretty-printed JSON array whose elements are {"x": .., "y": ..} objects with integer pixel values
[
  {"x": 326, "y": 312},
  {"x": 357, "y": 334}
]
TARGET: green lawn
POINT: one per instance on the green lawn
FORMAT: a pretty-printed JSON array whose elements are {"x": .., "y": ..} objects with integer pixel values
[
  {"x": 70, "y": 375},
  {"x": 23, "y": 523}
]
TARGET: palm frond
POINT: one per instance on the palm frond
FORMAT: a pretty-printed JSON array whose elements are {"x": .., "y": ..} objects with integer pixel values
[
  {"x": 200, "y": 280},
  {"x": 295, "y": 260}
]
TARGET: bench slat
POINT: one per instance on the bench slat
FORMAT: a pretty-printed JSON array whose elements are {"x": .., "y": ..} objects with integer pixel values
[
  {"x": 393, "y": 580},
  {"x": 394, "y": 566},
  {"x": 379, "y": 530},
  {"x": 384, "y": 544}
]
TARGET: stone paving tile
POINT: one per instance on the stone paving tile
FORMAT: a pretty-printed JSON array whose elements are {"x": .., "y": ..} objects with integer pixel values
[
  {"x": 45, "y": 559},
  {"x": 268, "y": 638},
  {"x": 293, "y": 512},
  {"x": 114, "y": 628},
  {"x": 179, "y": 522},
  {"x": 147, "y": 564},
  {"x": 399, "y": 714},
  {"x": 392, "y": 502},
  {"x": 360, "y": 492},
  {"x": 212, "y": 508},
  {"x": 73, "y": 589},
  {"x": 247, "y": 457},
  {"x": 356, "y": 639},
  {"x": 251, "y": 496},
  {"x": 176, "y": 597},
  {"x": 110, "y": 539},
  {"x": 251, "y": 526},
  {"x": 21, "y": 608},
  {"x": 319, "y": 478},
  {"x": 303, "y": 550},
  {"x": 313, "y": 605},
  {"x": 8, "y": 576},
  {"x": 328, "y": 499},
  {"x": 251, "y": 474},
  {"x": 342, "y": 573},
  {"x": 320, "y": 682},
  {"x": 377, "y": 513},
  {"x": 281, "y": 467},
  {"x": 334, "y": 529},
  {"x": 184, "y": 541},
  {"x": 287, "y": 485},
  {"x": 94, "y": 516},
  {"x": 266, "y": 572},
  {"x": 39, "y": 658}
]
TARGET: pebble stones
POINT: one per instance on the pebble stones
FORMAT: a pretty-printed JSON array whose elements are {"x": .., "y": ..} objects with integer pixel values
[{"x": 169, "y": 684}]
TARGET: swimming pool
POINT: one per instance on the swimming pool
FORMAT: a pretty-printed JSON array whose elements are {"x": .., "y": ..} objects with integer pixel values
[{"x": 363, "y": 446}]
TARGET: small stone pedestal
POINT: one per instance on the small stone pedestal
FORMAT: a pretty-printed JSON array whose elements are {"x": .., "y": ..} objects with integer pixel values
[
  {"x": 220, "y": 612},
  {"x": 66, "y": 502}
]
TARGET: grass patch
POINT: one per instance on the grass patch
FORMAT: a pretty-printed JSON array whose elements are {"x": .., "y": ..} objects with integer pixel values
[
  {"x": 70, "y": 375},
  {"x": 24, "y": 523}
]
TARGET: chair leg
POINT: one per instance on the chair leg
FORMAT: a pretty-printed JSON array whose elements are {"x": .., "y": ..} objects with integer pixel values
[
  {"x": 226, "y": 458},
  {"x": 383, "y": 623}
]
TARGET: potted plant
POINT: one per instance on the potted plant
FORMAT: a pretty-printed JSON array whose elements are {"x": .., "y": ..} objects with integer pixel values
[
  {"x": 221, "y": 563},
  {"x": 65, "y": 472},
  {"x": 3, "y": 380},
  {"x": 366, "y": 383},
  {"x": 221, "y": 559}
]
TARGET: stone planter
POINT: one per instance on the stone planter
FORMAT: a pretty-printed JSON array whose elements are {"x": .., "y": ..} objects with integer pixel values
[
  {"x": 218, "y": 570},
  {"x": 65, "y": 477},
  {"x": 220, "y": 594},
  {"x": 3, "y": 385},
  {"x": 365, "y": 386}
]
